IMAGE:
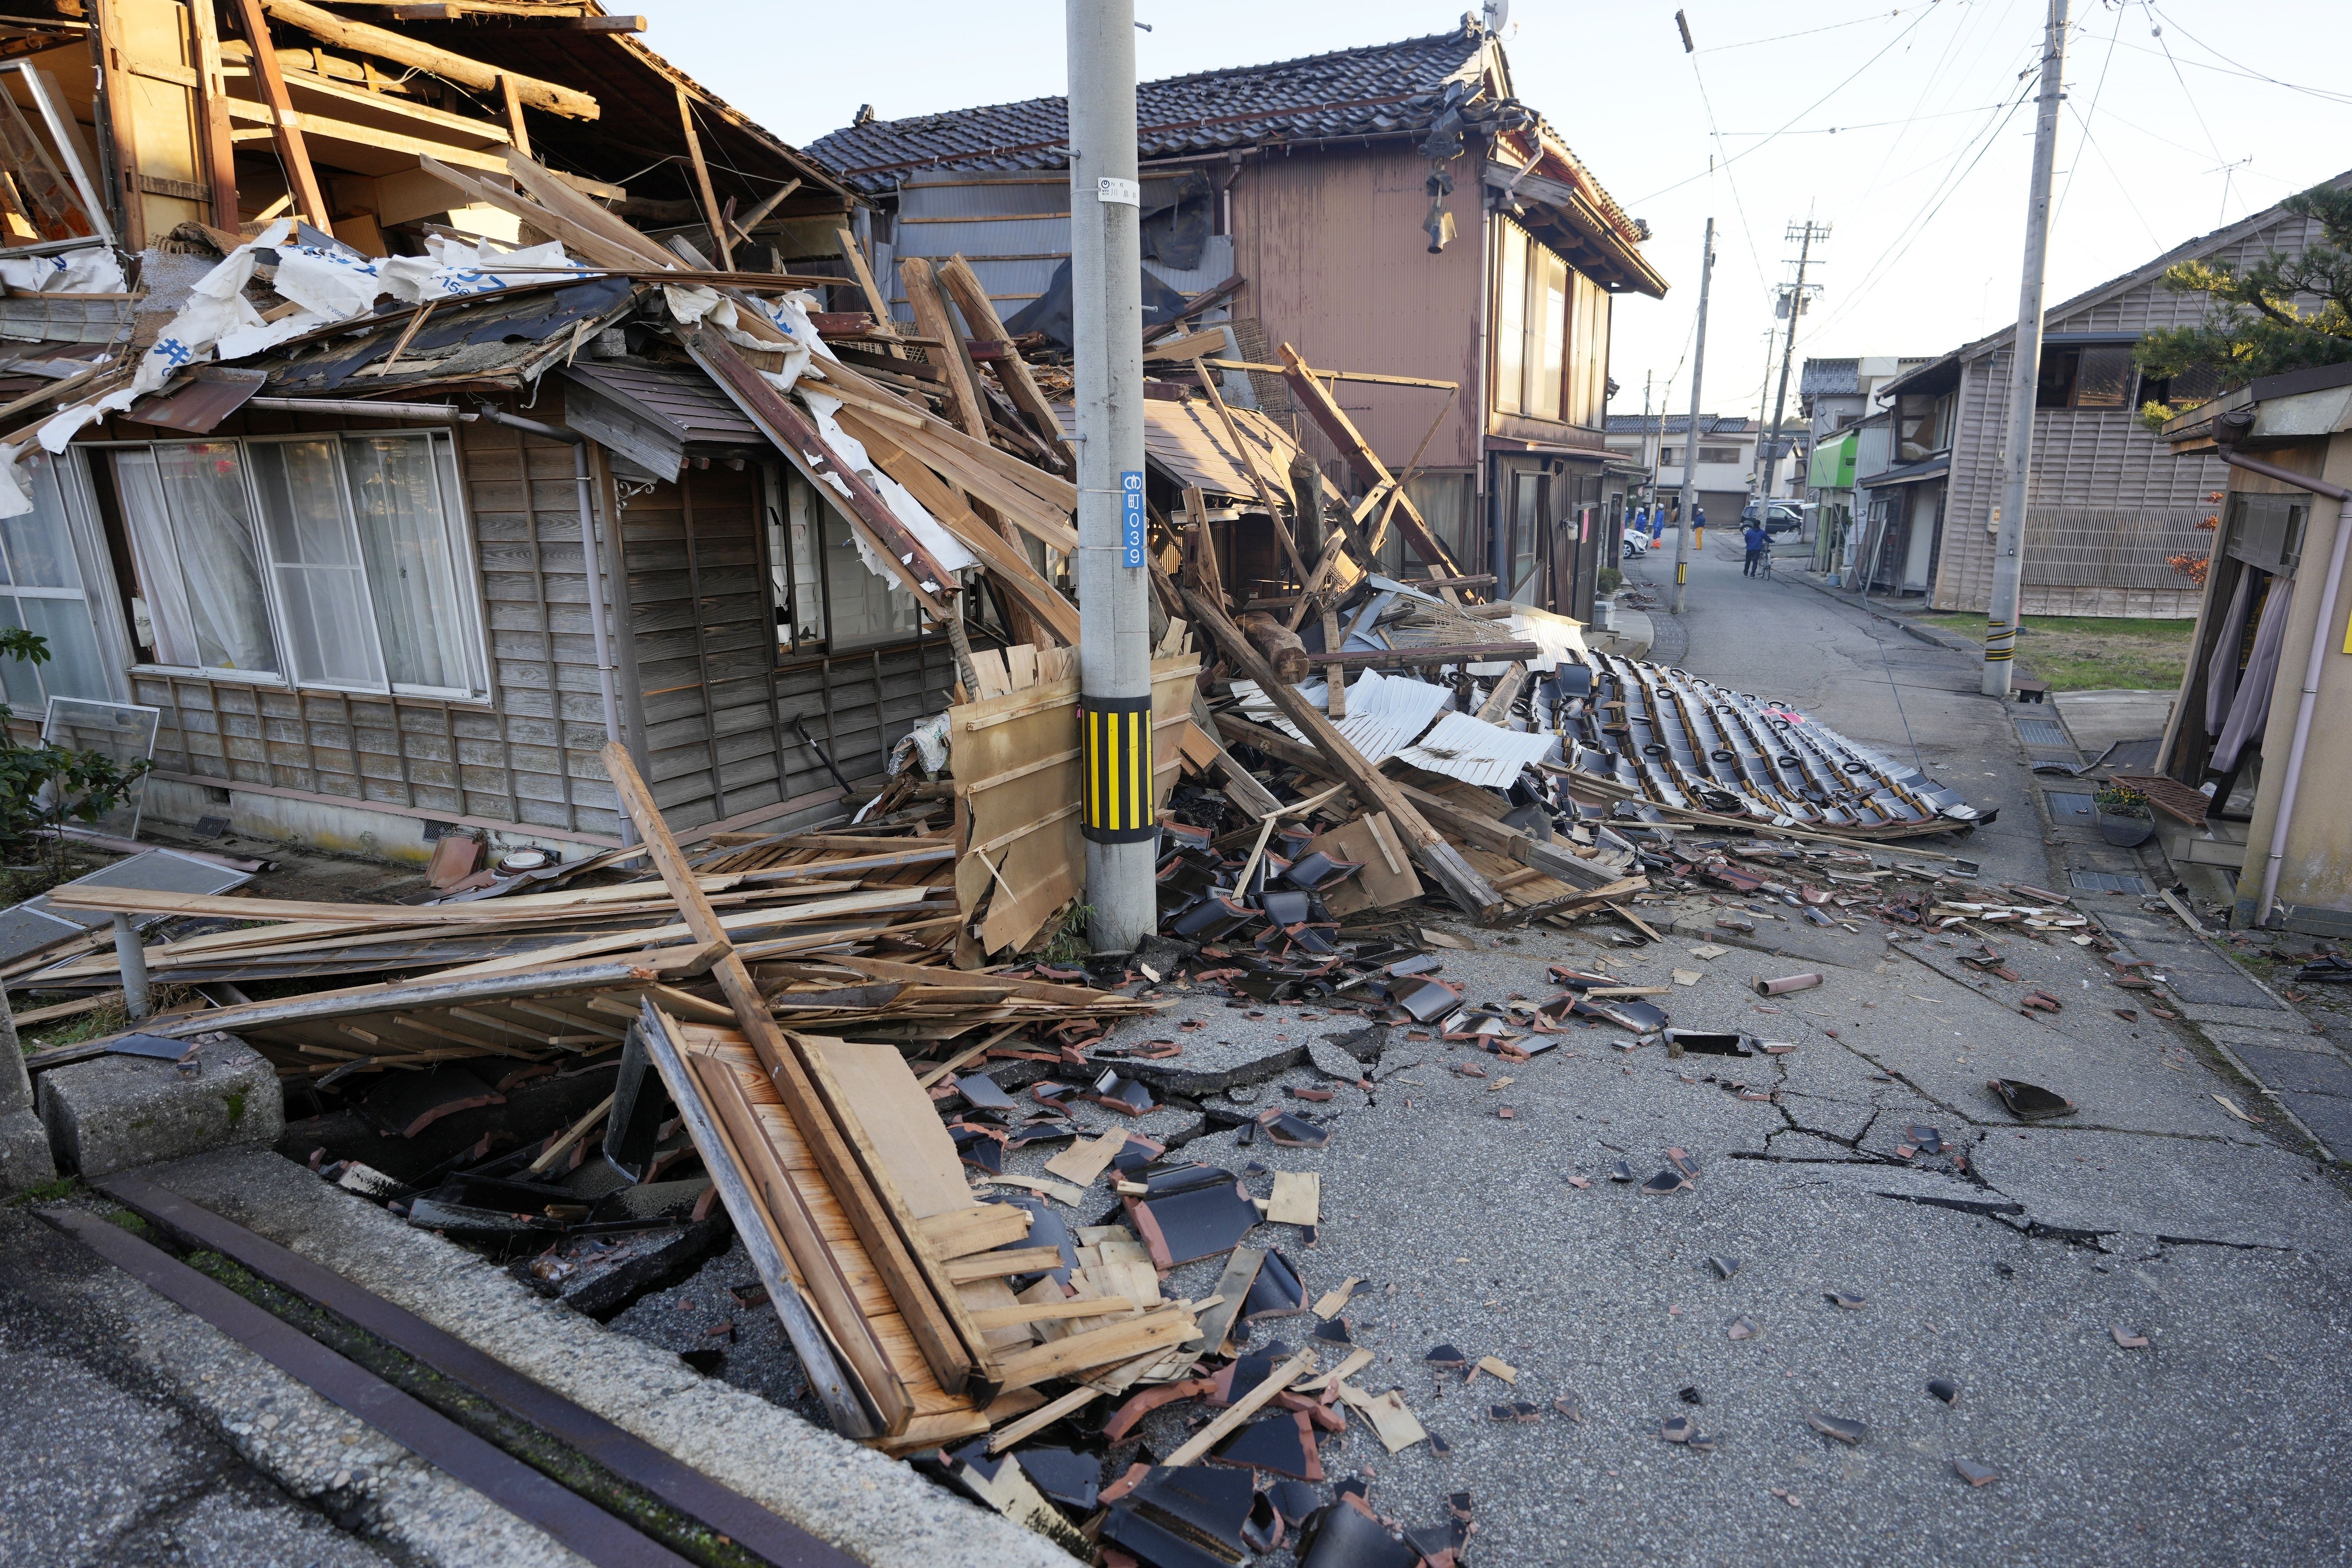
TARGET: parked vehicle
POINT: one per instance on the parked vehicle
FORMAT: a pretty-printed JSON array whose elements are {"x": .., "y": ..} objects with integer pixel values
[{"x": 1780, "y": 516}]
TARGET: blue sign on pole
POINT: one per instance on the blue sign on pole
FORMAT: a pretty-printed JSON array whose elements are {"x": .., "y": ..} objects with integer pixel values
[{"x": 1130, "y": 518}]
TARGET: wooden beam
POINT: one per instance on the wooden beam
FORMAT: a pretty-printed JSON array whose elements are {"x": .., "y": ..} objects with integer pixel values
[
  {"x": 932, "y": 319},
  {"x": 284, "y": 124},
  {"x": 875, "y": 302},
  {"x": 362, "y": 38},
  {"x": 211, "y": 110},
  {"x": 1377, "y": 790},
  {"x": 1335, "y": 424},
  {"x": 517, "y": 131},
  {"x": 1249, "y": 465},
  {"x": 895, "y": 1243},
  {"x": 1011, "y": 370},
  {"x": 711, "y": 214}
]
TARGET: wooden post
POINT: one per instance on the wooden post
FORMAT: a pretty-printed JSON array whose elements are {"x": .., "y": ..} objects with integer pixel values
[
  {"x": 908, "y": 1266},
  {"x": 212, "y": 106},
  {"x": 1249, "y": 466},
  {"x": 702, "y": 182},
  {"x": 1335, "y": 677},
  {"x": 875, "y": 302},
  {"x": 285, "y": 125},
  {"x": 1334, "y": 422},
  {"x": 1011, "y": 370},
  {"x": 517, "y": 130},
  {"x": 1376, "y": 790}
]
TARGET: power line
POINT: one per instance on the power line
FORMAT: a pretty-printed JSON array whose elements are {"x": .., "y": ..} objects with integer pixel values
[
  {"x": 1868, "y": 124},
  {"x": 1736, "y": 204},
  {"x": 1809, "y": 32},
  {"x": 1795, "y": 118},
  {"x": 2320, "y": 92},
  {"x": 2085, "y": 121}
]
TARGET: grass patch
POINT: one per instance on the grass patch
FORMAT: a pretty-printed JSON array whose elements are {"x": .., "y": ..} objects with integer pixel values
[{"x": 2089, "y": 653}]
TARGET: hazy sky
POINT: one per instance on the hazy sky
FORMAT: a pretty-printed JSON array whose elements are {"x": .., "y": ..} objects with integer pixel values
[{"x": 1906, "y": 127}]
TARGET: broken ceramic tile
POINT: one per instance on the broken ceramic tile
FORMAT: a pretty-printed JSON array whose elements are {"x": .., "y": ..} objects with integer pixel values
[
  {"x": 1706, "y": 1043},
  {"x": 1567, "y": 1405},
  {"x": 1943, "y": 1389},
  {"x": 1445, "y": 1358},
  {"x": 1742, "y": 1329},
  {"x": 1976, "y": 1475},
  {"x": 1283, "y": 1444},
  {"x": 1333, "y": 1332},
  {"x": 1068, "y": 1478},
  {"x": 1350, "y": 1536},
  {"x": 2129, "y": 1341},
  {"x": 1296, "y": 1132},
  {"x": 1851, "y": 1303},
  {"x": 1277, "y": 1291},
  {"x": 1172, "y": 1514},
  {"x": 1690, "y": 1395},
  {"x": 1666, "y": 1182},
  {"x": 1620, "y": 1172},
  {"x": 1926, "y": 1140},
  {"x": 1845, "y": 1430},
  {"x": 1725, "y": 1268},
  {"x": 1201, "y": 1222},
  {"x": 1517, "y": 1411},
  {"x": 2029, "y": 1101},
  {"x": 1677, "y": 1429},
  {"x": 982, "y": 1093}
]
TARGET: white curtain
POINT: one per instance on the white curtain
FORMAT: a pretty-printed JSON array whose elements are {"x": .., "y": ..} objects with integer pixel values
[
  {"x": 2252, "y": 708},
  {"x": 411, "y": 567},
  {"x": 314, "y": 561},
  {"x": 192, "y": 535},
  {"x": 2222, "y": 667}
]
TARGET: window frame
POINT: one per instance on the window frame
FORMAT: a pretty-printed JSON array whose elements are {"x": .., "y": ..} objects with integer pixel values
[{"x": 459, "y": 539}]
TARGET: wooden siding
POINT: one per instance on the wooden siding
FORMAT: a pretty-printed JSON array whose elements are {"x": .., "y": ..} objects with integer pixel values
[
  {"x": 709, "y": 713},
  {"x": 2091, "y": 467},
  {"x": 1338, "y": 266}
]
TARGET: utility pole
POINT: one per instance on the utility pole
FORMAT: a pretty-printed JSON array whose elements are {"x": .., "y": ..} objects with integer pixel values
[
  {"x": 2024, "y": 367},
  {"x": 1690, "y": 437},
  {"x": 1114, "y": 616},
  {"x": 1805, "y": 234},
  {"x": 1763, "y": 395}
]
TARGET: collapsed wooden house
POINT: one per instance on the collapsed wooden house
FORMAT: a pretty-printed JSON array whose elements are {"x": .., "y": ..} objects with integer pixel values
[{"x": 351, "y": 701}]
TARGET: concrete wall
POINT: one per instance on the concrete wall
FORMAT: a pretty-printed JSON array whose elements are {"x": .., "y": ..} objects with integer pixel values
[{"x": 2316, "y": 876}]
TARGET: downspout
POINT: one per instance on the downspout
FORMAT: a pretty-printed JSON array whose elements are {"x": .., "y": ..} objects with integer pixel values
[
  {"x": 2320, "y": 630},
  {"x": 1484, "y": 461},
  {"x": 592, "y": 566}
]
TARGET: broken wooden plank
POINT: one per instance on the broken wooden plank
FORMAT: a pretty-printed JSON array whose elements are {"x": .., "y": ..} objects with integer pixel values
[{"x": 1241, "y": 1410}]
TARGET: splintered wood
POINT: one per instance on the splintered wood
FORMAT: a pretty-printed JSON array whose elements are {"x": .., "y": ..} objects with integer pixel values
[{"x": 1018, "y": 770}]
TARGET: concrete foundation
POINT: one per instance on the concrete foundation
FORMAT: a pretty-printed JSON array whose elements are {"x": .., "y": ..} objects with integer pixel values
[
  {"x": 24, "y": 1160},
  {"x": 119, "y": 1111}
]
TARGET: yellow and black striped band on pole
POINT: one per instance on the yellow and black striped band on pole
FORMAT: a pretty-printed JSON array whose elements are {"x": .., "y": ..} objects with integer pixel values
[
  {"x": 1117, "y": 806},
  {"x": 2000, "y": 641}
]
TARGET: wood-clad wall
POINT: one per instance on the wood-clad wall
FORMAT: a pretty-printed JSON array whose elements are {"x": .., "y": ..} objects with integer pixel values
[{"x": 707, "y": 708}]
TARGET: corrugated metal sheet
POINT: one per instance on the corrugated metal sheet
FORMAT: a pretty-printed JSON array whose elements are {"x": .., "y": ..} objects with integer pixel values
[
  {"x": 1015, "y": 233},
  {"x": 1470, "y": 749},
  {"x": 1385, "y": 713}
]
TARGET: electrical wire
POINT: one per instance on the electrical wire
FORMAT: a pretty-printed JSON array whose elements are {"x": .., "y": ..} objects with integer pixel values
[
  {"x": 1868, "y": 124},
  {"x": 1746, "y": 231},
  {"x": 1809, "y": 32},
  {"x": 1799, "y": 114},
  {"x": 2084, "y": 121},
  {"x": 2242, "y": 70},
  {"x": 2060, "y": 206}
]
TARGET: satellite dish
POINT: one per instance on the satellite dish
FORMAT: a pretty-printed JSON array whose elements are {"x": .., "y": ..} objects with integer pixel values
[{"x": 1498, "y": 14}]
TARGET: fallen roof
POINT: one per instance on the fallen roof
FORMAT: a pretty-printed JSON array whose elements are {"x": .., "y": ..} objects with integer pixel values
[{"x": 1186, "y": 440}]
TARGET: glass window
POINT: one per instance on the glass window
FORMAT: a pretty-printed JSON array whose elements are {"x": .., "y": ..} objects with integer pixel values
[
  {"x": 330, "y": 561},
  {"x": 41, "y": 590},
  {"x": 864, "y": 609},
  {"x": 1510, "y": 320},
  {"x": 314, "y": 561},
  {"x": 1547, "y": 334},
  {"x": 191, "y": 534},
  {"x": 1588, "y": 350},
  {"x": 1526, "y": 522},
  {"x": 2099, "y": 376},
  {"x": 796, "y": 585}
]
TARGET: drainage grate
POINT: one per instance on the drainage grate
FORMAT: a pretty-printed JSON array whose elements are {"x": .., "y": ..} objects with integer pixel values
[
  {"x": 2067, "y": 807},
  {"x": 2106, "y": 882},
  {"x": 2043, "y": 733}
]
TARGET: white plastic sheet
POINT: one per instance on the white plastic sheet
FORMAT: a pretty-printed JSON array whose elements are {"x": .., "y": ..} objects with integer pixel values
[{"x": 944, "y": 547}]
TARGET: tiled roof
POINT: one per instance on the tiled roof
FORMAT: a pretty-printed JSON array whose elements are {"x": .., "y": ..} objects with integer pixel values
[
  {"x": 1675, "y": 424},
  {"x": 1831, "y": 378},
  {"x": 1381, "y": 89}
]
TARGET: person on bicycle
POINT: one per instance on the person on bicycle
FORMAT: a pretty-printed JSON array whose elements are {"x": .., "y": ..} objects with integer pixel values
[{"x": 1758, "y": 542}]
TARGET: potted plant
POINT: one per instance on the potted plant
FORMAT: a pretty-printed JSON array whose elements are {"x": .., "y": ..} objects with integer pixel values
[{"x": 2124, "y": 817}]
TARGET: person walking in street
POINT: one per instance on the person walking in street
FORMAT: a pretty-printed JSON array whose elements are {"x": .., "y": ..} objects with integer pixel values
[
  {"x": 1698, "y": 528},
  {"x": 1758, "y": 542}
]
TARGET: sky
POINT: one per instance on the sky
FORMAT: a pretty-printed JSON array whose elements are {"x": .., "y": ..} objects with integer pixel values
[{"x": 1906, "y": 130}]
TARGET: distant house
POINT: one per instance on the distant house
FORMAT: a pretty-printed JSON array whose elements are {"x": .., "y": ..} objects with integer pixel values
[
  {"x": 2107, "y": 503},
  {"x": 1392, "y": 209},
  {"x": 1849, "y": 434},
  {"x": 1726, "y": 457}
]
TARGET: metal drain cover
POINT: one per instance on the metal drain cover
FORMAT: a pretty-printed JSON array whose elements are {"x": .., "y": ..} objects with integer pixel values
[
  {"x": 2106, "y": 882},
  {"x": 2043, "y": 733}
]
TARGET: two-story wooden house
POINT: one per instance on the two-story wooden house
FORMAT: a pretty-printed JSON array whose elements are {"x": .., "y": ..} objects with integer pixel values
[{"x": 1393, "y": 210}]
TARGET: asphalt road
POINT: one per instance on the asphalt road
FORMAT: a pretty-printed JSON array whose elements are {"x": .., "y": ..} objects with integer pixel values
[{"x": 2155, "y": 1211}]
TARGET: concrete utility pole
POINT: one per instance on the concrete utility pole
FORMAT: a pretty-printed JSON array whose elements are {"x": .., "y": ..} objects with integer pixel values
[
  {"x": 1114, "y": 614},
  {"x": 1763, "y": 395},
  {"x": 1767, "y": 441},
  {"x": 2024, "y": 366},
  {"x": 1690, "y": 436}
]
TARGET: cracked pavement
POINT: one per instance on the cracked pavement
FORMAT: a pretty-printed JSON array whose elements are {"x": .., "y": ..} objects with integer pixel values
[{"x": 2013, "y": 1264}]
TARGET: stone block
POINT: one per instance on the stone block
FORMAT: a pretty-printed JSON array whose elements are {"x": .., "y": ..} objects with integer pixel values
[
  {"x": 114, "y": 1112},
  {"x": 24, "y": 1160},
  {"x": 16, "y": 1082}
]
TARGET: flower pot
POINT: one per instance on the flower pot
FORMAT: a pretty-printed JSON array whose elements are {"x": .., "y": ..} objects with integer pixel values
[{"x": 2124, "y": 832}]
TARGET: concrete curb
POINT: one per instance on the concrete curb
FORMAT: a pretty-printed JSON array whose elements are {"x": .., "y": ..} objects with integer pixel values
[
  {"x": 1925, "y": 634},
  {"x": 869, "y": 1505}
]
